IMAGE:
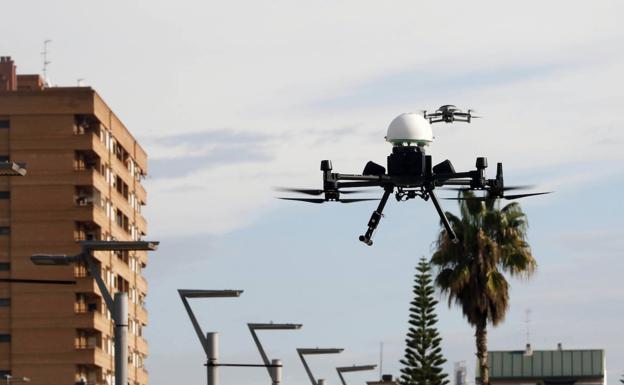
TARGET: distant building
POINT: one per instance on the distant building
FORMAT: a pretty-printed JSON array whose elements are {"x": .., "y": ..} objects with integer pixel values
[
  {"x": 84, "y": 183},
  {"x": 546, "y": 367},
  {"x": 460, "y": 373}
]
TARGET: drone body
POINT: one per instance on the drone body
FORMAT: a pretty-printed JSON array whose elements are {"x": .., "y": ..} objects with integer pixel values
[{"x": 410, "y": 172}]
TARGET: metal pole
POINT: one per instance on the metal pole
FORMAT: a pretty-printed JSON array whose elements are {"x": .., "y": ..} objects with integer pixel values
[
  {"x": 120, "y": 310},
  {"x": 212, "y": 347},
  {"x": 276, "y": 373}
]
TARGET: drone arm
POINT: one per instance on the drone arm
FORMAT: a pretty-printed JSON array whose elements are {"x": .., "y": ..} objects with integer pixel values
[
  {"x": 464, "y": 182},
  {"x": 444, "y": 178},
  {"x": 358, "y": 184},
  {"x": 445, "y": 222},
  {"x": 357, "y": 177},
  {"x": 375, "y": 218}
]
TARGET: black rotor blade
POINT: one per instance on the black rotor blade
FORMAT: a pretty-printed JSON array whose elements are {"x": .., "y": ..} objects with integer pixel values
[
  {"x": 309, "y": 200},
  {"x": 508, "y": 197},
  {"x": 309, "y": 191},
  {"x": 521, "y": 187},
  {"x": 357, "y": 200},
  {"x": 518, "y": 196},
  {"x": 352, "y": 191},
  {"x": 506, "y": 188},
  {"x": 467, "y": 199},
  {"x": 301, "y": 190}
]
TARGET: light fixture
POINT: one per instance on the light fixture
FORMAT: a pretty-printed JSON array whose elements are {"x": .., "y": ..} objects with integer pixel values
[{"x": 308, "y": 351}]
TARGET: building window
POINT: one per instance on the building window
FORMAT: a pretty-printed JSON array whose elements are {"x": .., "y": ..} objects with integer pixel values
[
  {"x": 5, "y": 123},
  {"x": 4, "y": 158},
  {"x": 4, "y": 373},
  {"x": 5, "y": 338},
  {"x": 5, "y": 266},
  {"x": 5, "y": 230},
  {"x": 4, "y": 302},
  {"x": 5, "y": 194}
]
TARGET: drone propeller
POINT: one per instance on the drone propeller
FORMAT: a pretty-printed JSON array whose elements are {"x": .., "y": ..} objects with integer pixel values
[
  {"x": 506, "y": 188},
  {"x": 314, "y": 191},
  {"x": 471, "y": 112},
  {"x": 507, "y": 197},
  {"x": 321, "y": 200}
]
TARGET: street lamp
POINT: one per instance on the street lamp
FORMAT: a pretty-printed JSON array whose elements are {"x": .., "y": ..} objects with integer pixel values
[
  {"x": 307, "y": 351},
  {"x": 273, "y": 366},
  {"x": 117, "y": 306},
  {"x": 12, "y": 169},
  {"x": 354, "y": 368},
  {"x": 209, "y": 341},
  {"x": 9, "y": 378}
]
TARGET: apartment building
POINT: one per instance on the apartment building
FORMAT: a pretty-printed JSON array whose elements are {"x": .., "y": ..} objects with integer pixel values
[{"x": 84, "y": 183}]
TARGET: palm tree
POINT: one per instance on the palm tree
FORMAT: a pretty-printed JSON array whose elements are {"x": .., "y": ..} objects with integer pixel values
[{"x": 492, "y": 242}]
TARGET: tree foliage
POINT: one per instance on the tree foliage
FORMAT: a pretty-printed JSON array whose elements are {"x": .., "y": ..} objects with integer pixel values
[
  {"x": 492, "y": 243},
  {"x": 423, "y": 358}
]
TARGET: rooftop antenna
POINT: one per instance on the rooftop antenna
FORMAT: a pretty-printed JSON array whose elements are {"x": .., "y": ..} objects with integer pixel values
[
  {"x": 380, "y": 360},
  {"x": 46, "y": 62},
  {"x": 528, "y": 325}
]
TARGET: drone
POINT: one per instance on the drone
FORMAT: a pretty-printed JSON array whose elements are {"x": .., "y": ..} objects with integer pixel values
[
  {"x": 410, "y": 172},
  {"x": 448, "y": 113}
]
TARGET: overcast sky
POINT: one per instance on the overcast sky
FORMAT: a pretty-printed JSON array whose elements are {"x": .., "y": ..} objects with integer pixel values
[{"x": 232, "y": 98}]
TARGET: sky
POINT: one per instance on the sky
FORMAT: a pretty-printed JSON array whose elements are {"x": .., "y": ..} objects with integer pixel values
[{"x": 231, "y": 99}]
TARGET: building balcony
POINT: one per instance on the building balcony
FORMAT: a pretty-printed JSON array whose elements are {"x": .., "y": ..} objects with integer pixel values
[
  {"x": 141, "y": 377},
  {"x": 93, "y": 320},
  {"x": 140, "y": 313},
  {"x": 119, "y": 233},
  {"x": 141, "y": 345},
  {"x": 89, "y": 141},
  {"x": 99, "y": 217},
  {"x": 93, "y": 356},
  {"x": 142, "y": 257},
  {"x": 141, "y": 223},
  {"x": 141, "y": 283},
  {"x": 121, "y": 169},
  {"x": 122, "y": 203},
  {"x": 140, "y": 192},
  {"x": 121, "y": 268},
  {"x": 91, "y": 176}
]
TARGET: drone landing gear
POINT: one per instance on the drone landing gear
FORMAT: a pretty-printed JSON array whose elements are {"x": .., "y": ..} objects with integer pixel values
[
  {"x": 375, "y": 218},
  {"x": 445, "y": 222}
]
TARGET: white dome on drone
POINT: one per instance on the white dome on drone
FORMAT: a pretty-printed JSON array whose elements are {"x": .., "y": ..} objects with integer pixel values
[{"x": 410, "y": 128}]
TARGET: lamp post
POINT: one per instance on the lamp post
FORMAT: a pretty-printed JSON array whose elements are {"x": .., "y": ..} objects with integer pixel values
[
  {"x": 307, "y": 351},
  {"x": 9, "y": 378},
  {"x": 273, "y": 366},
  {"x": 354, "y": 368},
  {"x": 12, "y": 169},
  {"x": 209, "y": 341},
  {"x": 117, "y": 306}
]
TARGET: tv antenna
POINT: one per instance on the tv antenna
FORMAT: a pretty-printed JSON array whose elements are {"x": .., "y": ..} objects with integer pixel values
[
  {"x": 527, "y": 320},
  {"x": 381, "y": 359},
  {"x": 46, "y": 62}
]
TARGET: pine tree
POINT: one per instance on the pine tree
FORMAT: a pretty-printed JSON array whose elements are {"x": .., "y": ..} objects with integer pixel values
[{"x": 423, "y": 355}]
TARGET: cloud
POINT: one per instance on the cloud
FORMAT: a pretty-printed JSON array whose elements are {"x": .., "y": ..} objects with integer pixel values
[
  {"x": 422, "y": 83},
  {"x": 184, "y": 154}
]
